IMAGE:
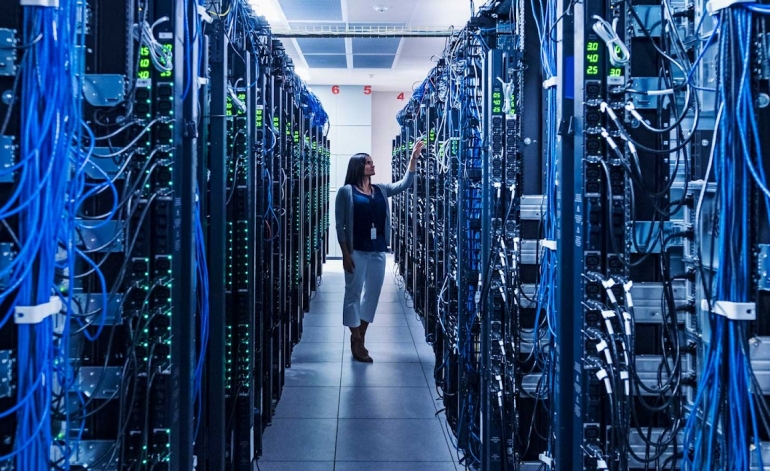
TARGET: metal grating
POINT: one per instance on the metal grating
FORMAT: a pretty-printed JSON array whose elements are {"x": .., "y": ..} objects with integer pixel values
[
  {"x": 314, "y": 10},
  {"x": 321, "y": 45},
  {"x": 364, "y": 61},
  {"x": 315, "y": 25},
  {"x": 327, "y": 61},
  {"x": 375, "y": 45},
  {"x": 376, "y": 25}
]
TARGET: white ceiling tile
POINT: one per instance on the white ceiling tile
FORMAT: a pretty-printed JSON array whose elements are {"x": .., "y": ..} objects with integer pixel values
[
  {"x": 362, "y": 11},
  {"x": 442, "y": 13},
  {"x": 319, "y": 10}
]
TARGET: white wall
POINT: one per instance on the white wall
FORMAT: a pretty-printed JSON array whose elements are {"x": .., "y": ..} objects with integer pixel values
[
  {"x": 359, "y": 122},
  {"x": 385, "y": 106},
  {"x": 350, "y": 132}
]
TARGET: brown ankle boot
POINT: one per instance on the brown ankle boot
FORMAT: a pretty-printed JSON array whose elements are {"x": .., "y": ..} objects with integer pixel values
[
  {"x": 357, "y": 348},
  {"x": 362, "y": 330}
]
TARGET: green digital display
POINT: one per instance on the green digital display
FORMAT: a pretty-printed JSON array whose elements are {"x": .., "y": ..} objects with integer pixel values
[
  {"x": 143, "y": 72},
  {"x": 497, "y": 102},
  {"x": 616, "y": 72},
  {"x": 593, "y": 58},
  {"x": 260, "y": 117}
]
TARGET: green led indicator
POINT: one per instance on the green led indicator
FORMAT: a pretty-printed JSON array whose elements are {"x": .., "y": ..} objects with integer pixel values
[
  {"x": 616, "y": 72},
  {"x": 592, "y": 46},
  {"x": 592, "y": 70},
  {"x": 592, "y": 58}
]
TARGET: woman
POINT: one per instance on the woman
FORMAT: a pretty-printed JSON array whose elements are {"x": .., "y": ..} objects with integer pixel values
[{"x": 363, "y": 230}]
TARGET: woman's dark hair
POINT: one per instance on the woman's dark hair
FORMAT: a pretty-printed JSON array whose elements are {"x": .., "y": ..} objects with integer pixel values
[{"x": 356, "y": 167}]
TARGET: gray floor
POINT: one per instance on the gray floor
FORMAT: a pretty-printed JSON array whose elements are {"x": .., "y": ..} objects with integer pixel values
[{"x": 340, "y": 415}]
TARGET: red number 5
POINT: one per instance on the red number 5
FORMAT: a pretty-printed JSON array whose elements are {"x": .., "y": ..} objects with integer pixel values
[
  {"x": 368, "y": 90},
  {"x": 336, "y": 89}
]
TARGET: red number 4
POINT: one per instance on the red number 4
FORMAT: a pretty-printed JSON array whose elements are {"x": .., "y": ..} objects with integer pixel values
[{"x": 400, "y": 96}]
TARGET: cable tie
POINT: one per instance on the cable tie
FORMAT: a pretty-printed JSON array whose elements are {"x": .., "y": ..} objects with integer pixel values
[
  {"x": 551, "y": 82},
  {"x": 39, "y": 3},
  {"x": 548, "y": 244},
  {"x": 627, "y": 322},
  {"x": 631, "y": 109},
  {"x": 204, "y": 14},
  {"x": 626, "y": 382},
  {"x": 713, "y": 6},
  {"x": 37, "y": 314},
  {"x": 608, "y": 357},
  {"x": 547, "y": 460},
  {"x": 603, "y": 375},
  {"x": 611, "y": 113},
  {"x": 732, "y": 310},
  {"x": 609, "y": 139}
]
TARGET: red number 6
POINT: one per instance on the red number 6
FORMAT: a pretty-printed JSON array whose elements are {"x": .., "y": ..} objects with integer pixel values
[{"x": 336, "y": 89}]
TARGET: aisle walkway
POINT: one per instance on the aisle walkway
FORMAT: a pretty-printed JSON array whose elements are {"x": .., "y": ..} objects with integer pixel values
[{"x": 337, "y": 414}]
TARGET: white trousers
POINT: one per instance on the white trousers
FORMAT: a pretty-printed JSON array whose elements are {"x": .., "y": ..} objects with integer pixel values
[{"x": 366, "y": 278}]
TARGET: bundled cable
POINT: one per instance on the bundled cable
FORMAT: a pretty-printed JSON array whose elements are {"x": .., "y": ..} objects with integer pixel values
[{"x": 724, "y": 428}]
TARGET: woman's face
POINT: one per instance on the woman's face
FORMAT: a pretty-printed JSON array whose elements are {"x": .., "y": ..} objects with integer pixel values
[{"x": 369, "y": 169}]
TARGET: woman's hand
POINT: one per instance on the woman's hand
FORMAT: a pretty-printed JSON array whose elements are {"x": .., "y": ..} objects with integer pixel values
[
  {"x": 416, "y": 153},
  {"x": 417, "y": 148},
  {"x": 347, "y": 263}
]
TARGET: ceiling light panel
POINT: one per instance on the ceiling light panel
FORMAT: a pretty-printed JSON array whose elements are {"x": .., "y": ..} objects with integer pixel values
[
  {"x": 375, "y": 45},
  {"x": 326, "y": 61},
  {"x": 321, "y": 45},
  {"x": 363, "y": 61},
  {"x": 312, "y": 10}
]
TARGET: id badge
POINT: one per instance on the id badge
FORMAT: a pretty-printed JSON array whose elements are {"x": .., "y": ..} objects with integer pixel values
[{"x": 374, "y": 233}]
